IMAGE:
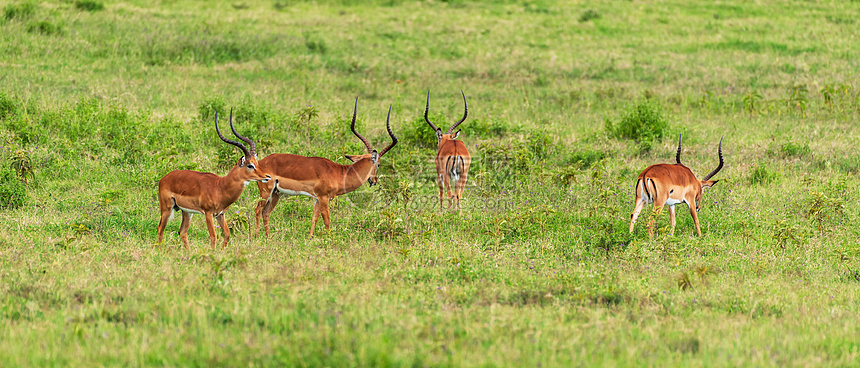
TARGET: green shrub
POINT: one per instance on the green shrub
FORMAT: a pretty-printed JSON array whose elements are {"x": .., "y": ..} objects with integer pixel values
[
  {"x": 584, "y": 158},
  {"x": 45, "y": 27},
  {"x": 206, "y": 110},
  {"x": 588, "y": 15},
  {"x": 762, "y": 175},
  {"x": 8, "y": 106},
  {"x": 13, "y": 192},
  {"x": 791, "y": 149},
  {"x": 643, "y": 121},
  {"x": 89, "y": 5},
  {"x": 19, "y": 11},
  {"x": 541, "y": 145},
  {"x": 418, "y": 133}
]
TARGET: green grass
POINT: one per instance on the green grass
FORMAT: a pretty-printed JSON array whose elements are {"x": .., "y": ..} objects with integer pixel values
[{"x": 100, "y": 100}]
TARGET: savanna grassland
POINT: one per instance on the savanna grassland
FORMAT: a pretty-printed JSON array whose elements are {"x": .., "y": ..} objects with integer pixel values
[{"x": 568, "y": 102}]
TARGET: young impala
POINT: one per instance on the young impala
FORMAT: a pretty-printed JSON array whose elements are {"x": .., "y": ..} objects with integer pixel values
[
  {"x": 670, "y": 184},
  {"x": 198, "y": 192},
  {"x": 452, "y": 158},
  {"x": 317, "y": 177}
]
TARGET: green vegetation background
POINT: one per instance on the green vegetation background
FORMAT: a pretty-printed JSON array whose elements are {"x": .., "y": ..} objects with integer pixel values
[{"x": 569, "y": 101}]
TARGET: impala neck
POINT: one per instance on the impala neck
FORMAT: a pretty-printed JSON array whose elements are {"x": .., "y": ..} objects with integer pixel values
[
  {"x": 356, "y": 174},
  {"x": 233, "y": 183}
]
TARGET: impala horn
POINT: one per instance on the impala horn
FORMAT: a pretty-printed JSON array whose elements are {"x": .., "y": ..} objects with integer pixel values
[
  {"x": 247, "y": 140},
  {"x": 720, "y": 153},
  {"x": 393, "y": 137},
  {"x": 363, "y": 140},
  {"x": 465, "y": 113},
  {"x": 237, "y": 144},
  {"x": 427, "y": 110},
  {"x": 678, "y": 155}
]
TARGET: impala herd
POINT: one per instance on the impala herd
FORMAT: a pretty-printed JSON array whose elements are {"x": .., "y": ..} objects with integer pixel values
[{"x": 283, "y": 174}]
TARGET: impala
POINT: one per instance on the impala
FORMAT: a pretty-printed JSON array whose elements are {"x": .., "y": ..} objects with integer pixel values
[
  {"x": 317, "y": 177},
  {"x": 198, "y": 192},
  {"x": 670, "y": 184},
  {"x": 452, "y": 158}
]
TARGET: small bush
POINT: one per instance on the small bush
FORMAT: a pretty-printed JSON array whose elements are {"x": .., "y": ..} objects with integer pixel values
[
  {"x": 13, "y": 192},
  {"x": 762, "y": 175},
  {"x": 588, "y": 15},
  {"x": 19, "y": 11},
  {"x": 89, "y": 5},
  {"x": 418, "y": 133},
  {"x": 792, "y": 149},
  {"x": 206, "y": 110},
  {"x": 584, "y": 158},
  {"x": 487, "y": 128},
  {"x": 643, "y": 121},
  {"x": 45, "y": 27},
  {"x": 541, "y": 145},
  {"x": 7, "y": 106}
]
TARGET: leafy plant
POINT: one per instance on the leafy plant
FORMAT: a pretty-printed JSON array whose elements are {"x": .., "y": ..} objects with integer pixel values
[
  {"x": 19, "y": 11},
  {"x": 23, "y": 166},
  {"x": 643, "y": 122},
  {"x": 823, "y": 210},
  {"x": 762, "y": 175},
  {"x": 89, "y": 5},
  {"x": 751, "y": 99},
  {"x": 797, "y": 99},
  {"x": 588, "y": 15},
  {"x": 13, "y": 192}
]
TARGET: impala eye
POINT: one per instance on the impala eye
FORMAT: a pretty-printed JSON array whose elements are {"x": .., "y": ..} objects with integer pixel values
[{"x": 251, "y": 166}]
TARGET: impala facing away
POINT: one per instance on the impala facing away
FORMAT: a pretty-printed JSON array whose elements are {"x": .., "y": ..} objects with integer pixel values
[
  {"x": 670, "y": 184},
  {"x": 198, "y": 192},
  {"x": 317, "y": 177},
  {"x": 452, "y": 159}
]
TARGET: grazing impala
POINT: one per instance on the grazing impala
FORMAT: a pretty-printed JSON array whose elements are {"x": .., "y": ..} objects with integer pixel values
[
  {"x": 317, "y": 177},
  {"x": 670, "y": 184},
  {"x": 452, "y": 159},
  {"x": 198, "y": 192}
]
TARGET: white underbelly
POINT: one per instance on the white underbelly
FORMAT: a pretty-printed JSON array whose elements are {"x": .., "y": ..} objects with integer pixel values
[
  {"x": 188, "y": 210},
  {"x": 294, "y": 192},
  {"x": 672, "y": 202}
]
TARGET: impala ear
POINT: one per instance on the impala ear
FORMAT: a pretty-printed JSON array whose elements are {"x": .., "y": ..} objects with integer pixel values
[
  {"x": 351, "y": 158},
  {"x": 374, "y": 156},
  {"x": 242, "y": 162},
  {"x": 457, "y": 134},
  {"x": 708, "y": 183},
  {"x": 438, "y": 134}
]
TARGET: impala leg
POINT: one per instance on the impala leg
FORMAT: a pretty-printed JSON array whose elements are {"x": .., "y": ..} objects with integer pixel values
[
  {"x": 672, "y": 220},
  {"x": 265, "y": 193},
  {"x": 223, "y": 222},
  {"x": 461, "y": 184},
  {"x": 165, "y": 216},
  {"x": 441, "y": 190},
  {"x": 640, "y": 204},
  {"x": 210, "y": 224},
  {"x": 324, "y": 210},
  {"x": 315, "y": 217},
  {"x": 268, "y": 207},
  {"x": 447, "y": 183},
  {"x": 695, "y": 219},
  {"x": 183, "y": 229}
]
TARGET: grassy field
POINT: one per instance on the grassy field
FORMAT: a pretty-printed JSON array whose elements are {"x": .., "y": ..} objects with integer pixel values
[{"x": 568, "y": 102}]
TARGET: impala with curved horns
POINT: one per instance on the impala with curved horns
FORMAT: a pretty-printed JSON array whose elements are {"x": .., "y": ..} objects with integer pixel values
[
  {"x": 452, "y": 158},
  {"x": 670, "y": 184},
  {"x": 317, "y": 177},
  {"x": 198, "y": 192}
]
